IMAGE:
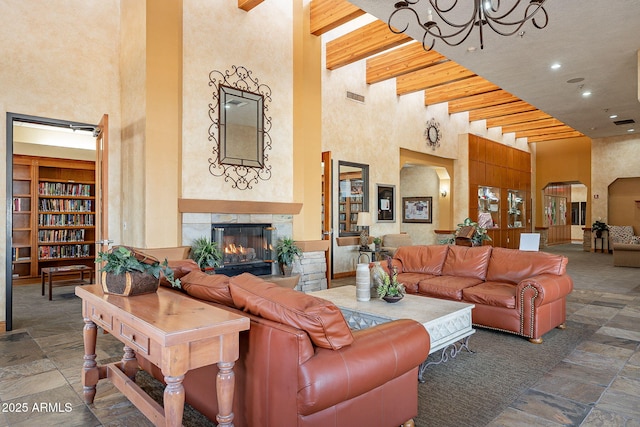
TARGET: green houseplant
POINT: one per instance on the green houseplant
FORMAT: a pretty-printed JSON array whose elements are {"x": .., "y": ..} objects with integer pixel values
[
  {"x": 387, "y": 286},
  {"x": 286, "y": 251},
  {"x": 599, "y": 227},
  {"x": 377, "y": 241},
  {"x": 129, "y": 272},
  {"x": 479, "y": 234},
  {"x": 206, "y": 253}
]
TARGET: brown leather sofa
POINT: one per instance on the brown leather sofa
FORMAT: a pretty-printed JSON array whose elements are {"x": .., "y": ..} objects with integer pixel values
[
  {"x": 513, "y": 291},
  {"x": 301, "y": 365}
]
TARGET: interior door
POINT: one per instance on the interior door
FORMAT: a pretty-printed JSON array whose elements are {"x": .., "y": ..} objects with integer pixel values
[
  {"x": 101, "y": 133},
  {"x": 327, "y": 197}
]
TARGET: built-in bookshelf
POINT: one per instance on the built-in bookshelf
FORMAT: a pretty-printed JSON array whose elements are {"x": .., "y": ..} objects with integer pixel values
[{"x": 54, "y": 221}]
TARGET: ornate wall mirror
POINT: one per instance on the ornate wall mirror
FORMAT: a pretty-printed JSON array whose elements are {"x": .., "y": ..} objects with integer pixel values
[
  {"x": 240, "y": 127},
  {"x": 353, "y": 196}
]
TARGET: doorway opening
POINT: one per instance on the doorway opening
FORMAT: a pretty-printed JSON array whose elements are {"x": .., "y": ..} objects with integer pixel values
[{"x": 31, "y": 138}]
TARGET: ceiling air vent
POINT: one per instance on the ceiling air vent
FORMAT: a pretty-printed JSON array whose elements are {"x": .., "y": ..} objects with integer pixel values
[
  {"x": 624, "y": 122},
  {"x": 355, "y": 97}
]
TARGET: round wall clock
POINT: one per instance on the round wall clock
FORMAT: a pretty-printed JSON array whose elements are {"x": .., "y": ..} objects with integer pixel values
[{"x": 432, "y": 134}]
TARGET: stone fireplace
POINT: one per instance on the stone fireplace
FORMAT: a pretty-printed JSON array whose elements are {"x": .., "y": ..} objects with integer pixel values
[
  {"x": 245, "y": 247},
  {"x": 202, "y": 217}
]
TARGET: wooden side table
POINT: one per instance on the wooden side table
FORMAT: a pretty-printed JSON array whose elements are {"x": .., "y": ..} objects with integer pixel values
[{"x": 173, "y": 331}]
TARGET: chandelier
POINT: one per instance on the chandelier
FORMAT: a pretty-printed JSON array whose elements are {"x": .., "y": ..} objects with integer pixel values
[{"x": 499, "y": 16}]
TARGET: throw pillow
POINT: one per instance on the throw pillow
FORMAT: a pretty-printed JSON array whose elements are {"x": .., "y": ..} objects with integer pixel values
[
  {"x": 208, "y": 287},
  {"x": 319, "y": 318}
]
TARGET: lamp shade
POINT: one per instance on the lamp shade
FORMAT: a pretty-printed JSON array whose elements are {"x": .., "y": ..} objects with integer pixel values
[{"x": 364, "y": 219}]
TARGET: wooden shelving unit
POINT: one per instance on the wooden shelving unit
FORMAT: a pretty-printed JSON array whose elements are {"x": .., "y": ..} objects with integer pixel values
[{"x": 54, "y": 222}]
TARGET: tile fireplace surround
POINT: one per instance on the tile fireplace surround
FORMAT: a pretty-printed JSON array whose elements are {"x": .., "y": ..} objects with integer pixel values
[{"x": 312, "y": 266}]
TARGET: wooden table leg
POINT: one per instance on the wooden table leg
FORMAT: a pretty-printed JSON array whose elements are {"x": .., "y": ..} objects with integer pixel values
[
  {"x": 90, "y": 372},
  {"x": 173, "y": 400},
  {"x": 50, "y": 285},
  {"x": 225, "y": 385},
  {"x": 42, "y": 279},
  {"x": 129, "y": 363}
]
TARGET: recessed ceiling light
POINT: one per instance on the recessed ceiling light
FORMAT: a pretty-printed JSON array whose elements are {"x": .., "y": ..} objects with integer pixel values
[
  {"x": 613, "y": 116},
  {"x": 630, "y": 130},
  {"x": 555, "y": 66},
  {"x": 586, "y": 93}
]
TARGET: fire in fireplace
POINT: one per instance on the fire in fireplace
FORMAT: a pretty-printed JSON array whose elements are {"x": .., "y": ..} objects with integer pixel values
[{"x": 246, "y": 248}]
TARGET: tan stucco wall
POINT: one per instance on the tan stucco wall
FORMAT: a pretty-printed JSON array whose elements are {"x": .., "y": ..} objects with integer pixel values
[
  {"x": 612, "y": 158},
  {"x": 59, "y": 63},
  {"x": 566, "y": 160}
]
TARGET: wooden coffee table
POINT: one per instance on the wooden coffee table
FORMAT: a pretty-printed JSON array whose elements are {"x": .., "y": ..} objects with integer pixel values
[
  {"x": 66, "y": 270},
  {"x": 448, "y": 322}
]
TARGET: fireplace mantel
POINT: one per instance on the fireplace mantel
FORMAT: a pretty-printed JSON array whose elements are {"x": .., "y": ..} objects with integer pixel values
[{"x": 237, "y": 207}]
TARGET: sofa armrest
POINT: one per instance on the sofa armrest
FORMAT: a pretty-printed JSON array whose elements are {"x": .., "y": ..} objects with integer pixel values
[
  {"x": 376, "y": 356},
  {"x": 544, "y": 288}
]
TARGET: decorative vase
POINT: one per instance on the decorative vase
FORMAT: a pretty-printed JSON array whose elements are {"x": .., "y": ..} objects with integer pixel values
[
  {"x": 286, "y": 269},
  {"x": 129, "y": 284},
  {"x": 392, "y": 299}
]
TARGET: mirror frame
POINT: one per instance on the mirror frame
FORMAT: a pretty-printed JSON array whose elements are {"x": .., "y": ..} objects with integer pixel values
[
  {"x": 365, "y": 193},
  {"x": 241, "y": 173},
  {"x": 226, "y": 94}
]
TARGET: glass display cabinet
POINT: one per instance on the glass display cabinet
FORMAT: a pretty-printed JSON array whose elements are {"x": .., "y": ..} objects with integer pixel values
[
  {"x": 515, "y": 209},
  {"x": 488, "y": 207}
]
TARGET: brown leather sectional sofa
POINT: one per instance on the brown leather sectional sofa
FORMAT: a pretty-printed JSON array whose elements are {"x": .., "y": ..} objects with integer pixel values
[
  {"x": 301, "y": 365},
  {"x": 513, "y": 291}
]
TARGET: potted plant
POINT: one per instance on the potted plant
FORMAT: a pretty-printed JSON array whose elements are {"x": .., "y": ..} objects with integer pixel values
[
  {"x": 128, "y": 272},
  {"x": 206, "y": 253},
  {"x": 286, "y": 251},
  {"x": 377, "y": 241},
  {"x": 599, "y": 227},
  {"x": 479, "y": 234},
  {"x": 387, "y": 287}
]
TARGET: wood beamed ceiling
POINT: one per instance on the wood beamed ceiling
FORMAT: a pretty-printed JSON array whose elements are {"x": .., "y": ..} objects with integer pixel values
[{"x": 397, "y": 56}]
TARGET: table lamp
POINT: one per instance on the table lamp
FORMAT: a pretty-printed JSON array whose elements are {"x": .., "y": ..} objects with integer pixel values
[{"x": 364, "y": 221}]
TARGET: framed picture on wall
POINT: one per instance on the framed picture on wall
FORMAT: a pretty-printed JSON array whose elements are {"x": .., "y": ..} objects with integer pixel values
[
  {"x": 417, "y": 209},
  {"x": 386, "y": 203}
]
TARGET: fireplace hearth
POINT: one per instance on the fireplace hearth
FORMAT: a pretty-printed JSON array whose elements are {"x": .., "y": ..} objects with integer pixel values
[{"x": 246, "y": 248}]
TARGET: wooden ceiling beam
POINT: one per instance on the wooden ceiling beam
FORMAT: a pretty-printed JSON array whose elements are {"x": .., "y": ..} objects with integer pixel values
[
  {"x": 510, "y": 119},
  {"x": 400, "y": 61},
  {"x": 534, "y": 124},
  {"x": 434, "y": 75},
  {"x": 482, "y": 100},
  {"x": 459, "y": 89},
  {"x": 500, "y": 110},
  {"x": 551, "y": 137},
  {"x": 366, "y": 41},
  {"x": 554, "y": 130},
  {"x": 329, "y": 14},
  {"x": 247, "y": 5}
]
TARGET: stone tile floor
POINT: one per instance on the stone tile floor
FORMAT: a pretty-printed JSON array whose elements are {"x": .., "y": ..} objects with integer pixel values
[{"x": 598, "y": 384}]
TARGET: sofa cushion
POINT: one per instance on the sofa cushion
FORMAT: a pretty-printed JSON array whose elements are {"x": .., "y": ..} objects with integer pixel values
[
  {"x": 321, "y": 319},
  {"x": 208, "y": 287},
  {"x": 491, "y": 293},
  {"x": 422, "y": 259},
  {"x": 513, "y": 265},
  {"x": 411, "y": 280},
  {"x": 621, "y": 233},
  {"x": 465, "y": 261},
  {"x": 448, "y": 287},
  {"x": 180, "y": 267}
]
